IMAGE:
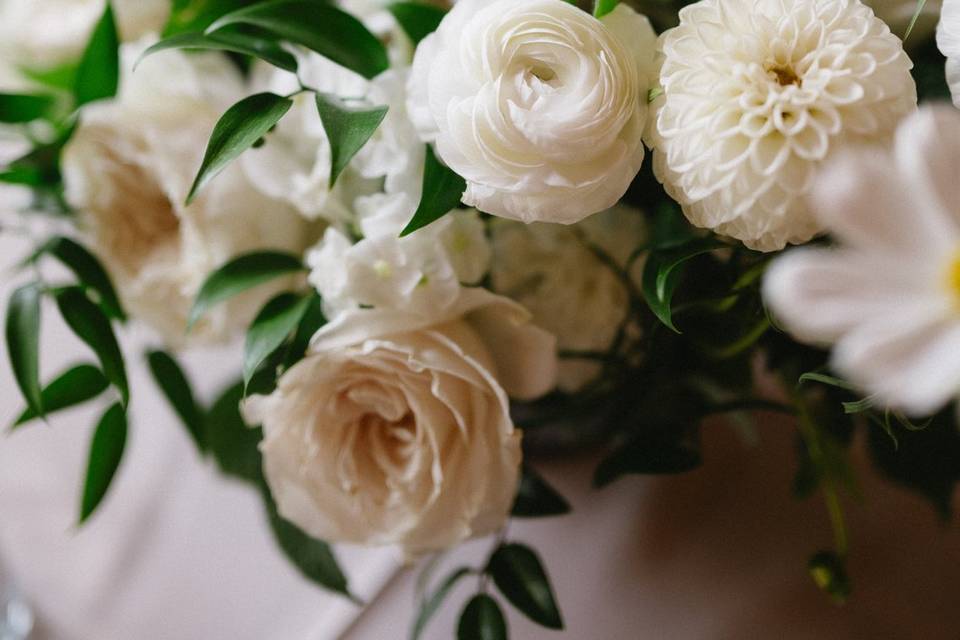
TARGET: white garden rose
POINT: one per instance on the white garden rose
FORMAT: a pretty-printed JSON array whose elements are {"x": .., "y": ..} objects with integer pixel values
[
  {"x": 128, "y": 169},
  {"x": 45, "y": 33},
  {"x": 757, "y": 95},
  {"x": 948, "y": 39},
  {"x": 555, "y": 272},
  {"x": 537, "y": 104},
  {"x": 396, "y": 430}
]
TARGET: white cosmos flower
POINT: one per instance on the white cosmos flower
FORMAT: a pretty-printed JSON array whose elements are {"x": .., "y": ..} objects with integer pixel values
[
  {"x": 46, "y": 33},
  {"x": 888, "y": 297},
  {"x": 537, "y": 104},
  {"x": 128, "y": 169},
  {"x": 948, "y": 39},
  {"x": 757, "y": 94},
  {"x": 555, "y": 273},
  {"x": 396, "y": 429}
]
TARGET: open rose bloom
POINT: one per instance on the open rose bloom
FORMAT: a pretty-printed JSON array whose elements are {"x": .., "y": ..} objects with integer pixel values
[{"x": 448, "y": 240}]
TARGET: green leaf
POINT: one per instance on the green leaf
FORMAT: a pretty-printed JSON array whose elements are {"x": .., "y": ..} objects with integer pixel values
[
  {"x": 312, "y": 557},
  {"x": 89, "y": 323},
  {"x": 347, "y": 128},
  {"x": 196, "y": 15},
  {"x": 669, "y": 449},
  {"x": 662, "y": 273},
  {"x": 106, "y": 452},
  {"x": 812, "y": 376},
  {"x": 233, "y": 443},
  {"x": 518, "y": 573},
  {"x": 313, "y": 320},
  {"x": 72, "y": 387},
  {"x": 23, "y": 344},
  {"x": 430, "y": 605},
  {"x": 536, "y": 498},
  {"x": 20, "y": 108},
  {"x": 272, "y": 326},
  {"x": 175, "y": 386},
  {"x": 239, "y": 275},
  {"x": 228, "y": 40},
  {"x": 417, "y": 19},
  {"x": 442, "y": 190},
  {"x": 237, "y": 130},
  {"x": 828, "y": 572},
  {"x": 482, "y": 620},
  {"x": 318, "y": 26},
  {"x": 89, "y": 271},
  {"x": 603, "y": 7},
  {"x": 98, "y": 74}
]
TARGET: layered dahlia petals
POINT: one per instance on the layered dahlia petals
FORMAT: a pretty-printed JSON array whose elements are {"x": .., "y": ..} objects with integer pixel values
[
  {"x": 538, "y": 105},
  {"x": 758, "y": 95}
]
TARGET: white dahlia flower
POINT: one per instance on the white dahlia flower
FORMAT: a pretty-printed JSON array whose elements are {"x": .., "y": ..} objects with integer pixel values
[
  {"x": 757, "y": 94},
  {"x": 888, "y": 297},
  {"x": 948, "y": 39},
  {"x": 538, "y": 105}
]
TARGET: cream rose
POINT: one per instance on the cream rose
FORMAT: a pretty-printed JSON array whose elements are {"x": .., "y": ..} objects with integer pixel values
[
  {"x": 128, "y": 170},
  {"x": 397, "y": 430},
  {"x": 538, "y": 105}
]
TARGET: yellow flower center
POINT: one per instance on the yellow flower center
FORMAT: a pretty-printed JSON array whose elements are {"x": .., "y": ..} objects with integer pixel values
[{"x": 953, "y": 276}]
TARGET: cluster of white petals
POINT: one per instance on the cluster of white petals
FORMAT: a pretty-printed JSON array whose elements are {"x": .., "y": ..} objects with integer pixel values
[
  {"x": 758, "y": 94},
  {"x": 556, "y": 272},
  {"x": 128, "y": 169},
  {"x": 888, "y": 298},
  {"x": 538, "y": 105},
  {"x": 948, "y": 39}
]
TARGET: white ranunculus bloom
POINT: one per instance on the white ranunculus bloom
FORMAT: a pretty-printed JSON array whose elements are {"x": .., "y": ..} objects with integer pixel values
[
  {"x": 396, "y": 429},
  {"x": 419, "y": 274},
  {"x": 948, "y": 39},
  {"x": 758, "y": 94},
  {"x": 128, "y": 170},
  {"x": 538, "y": 105},
  {"x": 555, "y": 273},
  {"x": 888, "y": 297},
  {"x": 45, "y": 33}
]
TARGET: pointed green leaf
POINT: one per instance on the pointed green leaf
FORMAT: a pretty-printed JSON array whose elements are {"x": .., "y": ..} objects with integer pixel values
[
  {"x": 272, "y": 326},
  {"x": 196, "y": 15},
  {"x": 417, "y": 19},
  {"x": 237, "y": 130},
  {"x": 603, "y": 7},
  {"x": 318, "y": 26},
  {"x": 19, "y": 108},
  {"x": 239, "y": 275},
  {"x": 536, "y": 498},
  {"x": 89, "y": 271},
  {"x": 106, "y": 452},
  {"x": 74, "y": 386},
  {"x": 89, "y": 323},
  {"x": 482, "y": 620},
  {"x": 228, "y": 40},
  {"x": 23, "y": 344},
  {"x": 98, "y": 74},
  {"x": 432, "y": 604},
  {"x": 518, "y": 573},
  {"x": 347, "y": 128},
  {"x": 661, "y": 275},
  {"x": 230, "y": 440},
  {"x": 313, "y": 558},
  {"x": 175, "y": 386},
  {"x": 442, "y": 190},
  {"x": 313, "y": 320},
  {"x": 669, "y": 449}
]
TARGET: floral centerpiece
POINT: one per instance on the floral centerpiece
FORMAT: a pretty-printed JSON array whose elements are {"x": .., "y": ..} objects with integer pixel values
[{"x": 456, "y": 237}]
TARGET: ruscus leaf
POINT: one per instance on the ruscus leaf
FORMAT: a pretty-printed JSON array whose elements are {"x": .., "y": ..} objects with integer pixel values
[
  {"x": 175, "y": 386},
  {"x": 348, "y": 129},
  {"x": 106, "y": 452},
  {"x": 662, "y": 272},
  {"x": 228, "y": 40},
  {"x": 239, "y": 275},
  {"x": 230, "y": 440},
  {"x": 536, "y": 498},
  {"x": 272, "y": 326},
  {"x": 23, "y": 344},
  {"x": 417, "y": 19},
  {"x": 89, "y": 271},
  {"x": 98, "y": 74},
  {"x": 519, "y": 575},
  {"x": 669, "y": 449},
  {"x": 237, "y": 130},
  {"x": 482, "y": 620},
  {"x": 21, "y": 108},
  {"x": 74, "y": 386},
  {"x": 442, "y": 190},
  {"x": 321, "y": 27},
  {"x": 603, "y": 7},
  {"x": 432, "y": 604}
]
